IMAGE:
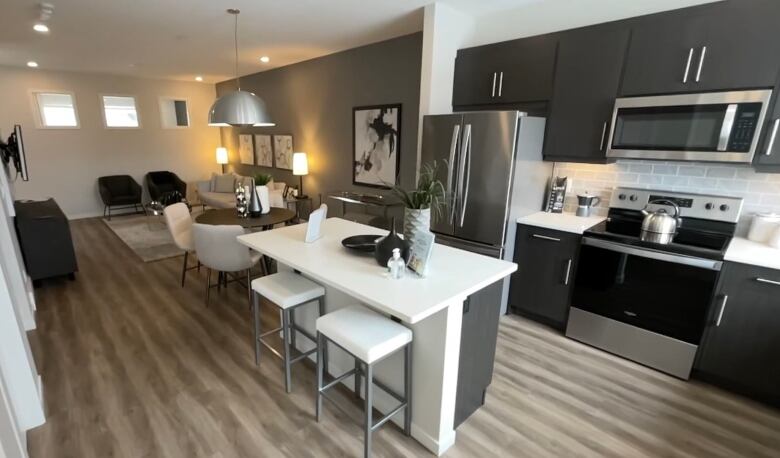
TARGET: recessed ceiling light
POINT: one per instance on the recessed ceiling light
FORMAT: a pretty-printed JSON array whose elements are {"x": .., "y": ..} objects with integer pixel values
[
  {"x": 198, "y": 78},
  {"x": 32, "y": 64},
  {"x": 265, "y": 59},
  {"x": 42, "y": 28}
]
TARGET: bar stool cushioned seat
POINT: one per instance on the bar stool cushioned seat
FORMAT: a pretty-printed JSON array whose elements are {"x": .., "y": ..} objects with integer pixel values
[
  {"x": 366, "y": 334},
  {"x": 287, "y": 289}
]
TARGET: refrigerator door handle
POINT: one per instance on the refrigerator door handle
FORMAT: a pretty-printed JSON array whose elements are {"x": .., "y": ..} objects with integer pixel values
[
  {"x": 466, "y": 160},
  {"x": 453, "y": 148}
]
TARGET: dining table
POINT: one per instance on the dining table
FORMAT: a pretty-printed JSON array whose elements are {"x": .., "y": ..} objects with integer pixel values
[{"x": 229, "y": 216}]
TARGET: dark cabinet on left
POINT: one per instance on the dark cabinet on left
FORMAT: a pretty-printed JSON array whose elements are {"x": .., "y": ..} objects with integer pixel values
[
  {"x": 742, "y": 341},
  {"x": 546, "y": 263},
  {"x": 44, "y": 238}
]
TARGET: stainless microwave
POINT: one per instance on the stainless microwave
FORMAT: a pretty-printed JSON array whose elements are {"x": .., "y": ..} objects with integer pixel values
[{"x": 709, "y": 127}]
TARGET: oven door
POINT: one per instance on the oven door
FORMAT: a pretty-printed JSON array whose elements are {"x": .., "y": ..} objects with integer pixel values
[
  {"x": 716, "y": 127},
  {"x": 663, "y": 293}
]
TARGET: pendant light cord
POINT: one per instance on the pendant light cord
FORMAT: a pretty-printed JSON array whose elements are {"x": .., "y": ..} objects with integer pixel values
[{"x": 235, "y": 39}]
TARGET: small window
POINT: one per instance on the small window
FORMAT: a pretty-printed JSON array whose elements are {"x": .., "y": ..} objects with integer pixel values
[
  {"x": 174, "y": 113},
  {"x": 57, "y": 109},
  {"x": 120, "y": 111}
]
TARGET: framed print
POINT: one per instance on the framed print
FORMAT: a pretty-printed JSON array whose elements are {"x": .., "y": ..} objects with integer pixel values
[
  {"x": 376, "y": 145},
  {"x": 283, "y": 151},
  {"x": 246, "y": 150},
  {"x": 264, "y": 154}
]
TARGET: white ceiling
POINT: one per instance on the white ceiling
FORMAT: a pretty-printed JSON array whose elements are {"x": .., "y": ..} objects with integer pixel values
[{"x": 178, "y": 39}]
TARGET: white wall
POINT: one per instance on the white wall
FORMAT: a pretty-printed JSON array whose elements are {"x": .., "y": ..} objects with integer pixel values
[{"x": 65, "y": 163}]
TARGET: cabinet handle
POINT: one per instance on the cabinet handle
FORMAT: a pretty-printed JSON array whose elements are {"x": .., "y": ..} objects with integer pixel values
[
  {"x": 500, "y": 84},
  {"x": 722, "y": 309},
  {"x": 772, "y": 138},
  {"x": 568, "y": 273},
  {"x": 701, "y": 63},
  {"x": 544, "y": 237},
  {"x": 688, "y": 66},
  {"x": 770, "y": 282},
  {"x": 603, "y": 135},
  {"x": 493, "y": 92}
]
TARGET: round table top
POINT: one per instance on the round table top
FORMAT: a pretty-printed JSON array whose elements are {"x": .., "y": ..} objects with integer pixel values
[{"x": 228, "y": 216}]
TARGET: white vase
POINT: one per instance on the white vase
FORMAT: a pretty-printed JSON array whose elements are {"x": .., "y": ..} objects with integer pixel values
[
  {"x": 416, "y": 222},
  {"x": 265, "y": 198}
]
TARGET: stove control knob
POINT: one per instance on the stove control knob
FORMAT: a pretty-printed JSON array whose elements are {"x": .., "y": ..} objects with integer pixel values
[
  {"x": 633, "y": 198},
  {"x": 709, "y": 206},
  {"x": 724, "y": 208},
  {"x": 622, "y": 197}
]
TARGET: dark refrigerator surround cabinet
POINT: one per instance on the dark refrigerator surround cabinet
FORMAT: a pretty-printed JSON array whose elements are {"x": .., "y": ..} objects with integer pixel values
[{"x": 723, "y": 46}]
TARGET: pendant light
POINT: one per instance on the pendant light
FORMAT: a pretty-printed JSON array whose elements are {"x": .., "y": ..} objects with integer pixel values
[{"x": 239, "y": 108}]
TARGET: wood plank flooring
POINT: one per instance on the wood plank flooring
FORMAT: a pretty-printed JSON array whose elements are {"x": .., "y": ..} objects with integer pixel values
[{"x": 135, "y": 366}]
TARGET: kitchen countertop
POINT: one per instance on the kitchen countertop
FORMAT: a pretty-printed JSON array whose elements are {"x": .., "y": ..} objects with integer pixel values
[
  {"x": 754, "y": 253},
  {"x": 566, "y": 222}
]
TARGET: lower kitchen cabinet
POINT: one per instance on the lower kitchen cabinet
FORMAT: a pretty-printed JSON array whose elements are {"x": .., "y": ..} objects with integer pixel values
[
  {"x": 479, "y": 334},
  {"x": 547, "y": 261},
  {"x": 742, "y": 342}
]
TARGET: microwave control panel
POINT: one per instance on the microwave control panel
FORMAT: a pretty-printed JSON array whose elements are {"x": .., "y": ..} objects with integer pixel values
[{"x": 744, "y": 129}]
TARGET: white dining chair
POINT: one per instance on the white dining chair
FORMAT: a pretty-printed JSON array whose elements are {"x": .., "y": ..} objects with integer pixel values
[
  {"x": 179, "y": 222},
  {"x": 218, "y": 249}
]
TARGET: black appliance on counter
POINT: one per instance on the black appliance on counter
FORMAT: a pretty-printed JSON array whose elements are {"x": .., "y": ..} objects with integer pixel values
[
  {"x": 646, "y": 301},
  {"x": 44, "y": 238}
]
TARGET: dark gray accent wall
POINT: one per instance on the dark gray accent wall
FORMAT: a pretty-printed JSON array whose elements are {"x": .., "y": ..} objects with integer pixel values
[{"x": 313, "y": 101}]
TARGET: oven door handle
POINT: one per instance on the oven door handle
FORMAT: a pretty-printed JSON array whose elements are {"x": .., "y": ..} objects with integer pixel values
[{"x": 702, "y": 263}]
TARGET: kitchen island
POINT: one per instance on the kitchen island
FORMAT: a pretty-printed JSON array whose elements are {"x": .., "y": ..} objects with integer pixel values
[{"x": 432, "y": 307}]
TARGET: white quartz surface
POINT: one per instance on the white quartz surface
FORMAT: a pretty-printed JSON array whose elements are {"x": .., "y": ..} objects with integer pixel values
[
  {"x": 453, "y": 273},
  {"x": 566, "y": 222},
  {"x": 754, "y": 253}
]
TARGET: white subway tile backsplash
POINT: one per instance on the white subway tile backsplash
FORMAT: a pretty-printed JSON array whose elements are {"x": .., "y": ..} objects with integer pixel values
[{"x": 760, "y": 191}]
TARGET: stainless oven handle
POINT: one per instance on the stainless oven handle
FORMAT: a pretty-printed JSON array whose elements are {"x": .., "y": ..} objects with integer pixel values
[
  {"x": 544, "y": 237},
  {"x": 770, "y": 146},
  {"x": 727, "y": 127},
  {"x": 688, "y": 66},
  {"x": 568, "y": 273},
  {"x": 603, "y": 135},
  {"x": 770, "y": 282},
  {"x": 701, "y": 63},
  {"x": 702, "y": 263},
  {"x": 722, "y": 309}
]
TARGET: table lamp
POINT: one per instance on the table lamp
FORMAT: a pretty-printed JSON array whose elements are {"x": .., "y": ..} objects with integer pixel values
[
  {"x": 222, "y": 157},
  {"x": 300, "y": 168}
]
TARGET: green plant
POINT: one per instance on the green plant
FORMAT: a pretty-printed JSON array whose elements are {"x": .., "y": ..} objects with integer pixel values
[
  {"x": 430, "y": 191},
  {"x": 262, "y": 179}
]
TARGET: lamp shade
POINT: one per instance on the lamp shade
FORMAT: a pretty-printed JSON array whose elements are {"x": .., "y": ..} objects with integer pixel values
[
  {"x": 239, "y": 109},
  {"x": 222, "y": 155},
  {"x": 300, "y": 164}
]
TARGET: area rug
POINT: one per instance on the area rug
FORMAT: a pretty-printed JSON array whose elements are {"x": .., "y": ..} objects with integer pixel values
[{"x": 149, "y": 239}]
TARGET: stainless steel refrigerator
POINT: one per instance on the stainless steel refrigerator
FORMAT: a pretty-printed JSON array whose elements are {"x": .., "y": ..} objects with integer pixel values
[{"x": 494, "y": 175}]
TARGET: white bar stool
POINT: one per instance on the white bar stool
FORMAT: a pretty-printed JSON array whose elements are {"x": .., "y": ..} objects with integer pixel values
[
  {"x": 287, "y": 291},
  {"x": 369, "y": 338}
]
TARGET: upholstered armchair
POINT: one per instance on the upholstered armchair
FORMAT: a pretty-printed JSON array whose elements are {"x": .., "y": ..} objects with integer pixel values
[
  {"x": 163, "y": 182},
  {"x": 119, "y": 192}
]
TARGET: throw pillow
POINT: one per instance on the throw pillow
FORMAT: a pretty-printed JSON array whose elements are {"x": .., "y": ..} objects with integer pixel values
[
  {"x": 213, "y": 181},
  {"x": 225, "y": 183}
]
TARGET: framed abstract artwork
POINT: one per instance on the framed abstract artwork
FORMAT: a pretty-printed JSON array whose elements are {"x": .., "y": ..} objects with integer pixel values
[
  {"x": 264, "y": 153},
  {"x": 283, "y": 151},
  {"x": 246, "y": 150},
  {"x": 376, "y": 145}
]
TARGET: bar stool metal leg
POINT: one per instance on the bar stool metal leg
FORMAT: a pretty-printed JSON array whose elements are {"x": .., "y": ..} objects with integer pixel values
[
  {"x": 292, "y": 328},
  {"x": 286, "y": 338},
  {"x": 369, "y": 405},
  {"x": 408, "y": 389},
  {"x": 256, "y": 312},
  {"x": 321, "y": 306},
  {"x": 320, "y": 368},
  {"x": 357, "y": 378}
]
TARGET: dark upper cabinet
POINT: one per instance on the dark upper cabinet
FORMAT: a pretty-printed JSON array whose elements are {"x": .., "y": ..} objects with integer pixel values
[
  {"x": 504, "y": 73},
  {"x": 742, "y": 340},
  {"x": 768, "y": 155},
  {"x": 546, "y": 263},
  {"x": 587, "y": 78},
  {"x": 723, "y": 46}
]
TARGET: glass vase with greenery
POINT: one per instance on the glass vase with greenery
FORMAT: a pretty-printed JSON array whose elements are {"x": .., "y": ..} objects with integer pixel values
[{"x": 262, "y": 179}]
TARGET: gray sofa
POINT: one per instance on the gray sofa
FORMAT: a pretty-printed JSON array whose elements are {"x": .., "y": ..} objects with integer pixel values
[{"x": 211, "y": 197}]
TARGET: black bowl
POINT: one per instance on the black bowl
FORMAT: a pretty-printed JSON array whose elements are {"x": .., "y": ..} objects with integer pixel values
[{"x": 363, "y": 243}]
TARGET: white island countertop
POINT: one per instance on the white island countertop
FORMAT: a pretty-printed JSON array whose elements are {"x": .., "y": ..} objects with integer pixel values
[
  {"x": 566, "y": 222},
  {"x": 453, "y": 273},
  {"x": 746, "y": 251}
]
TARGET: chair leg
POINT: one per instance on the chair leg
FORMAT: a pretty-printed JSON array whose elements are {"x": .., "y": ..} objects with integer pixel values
[
  {"x": 109, "y": 213},
  {"x": 286, "y": 337},
  {"x": 320, "y": 368},
  {"x": 184, "y": 268},
  {"x": 219, "y": 281},
  {"x": 256, "y": 312},
  {"x": 369, "y": 406},
  {"x": 408, "y": 389},
  {"x": 208, "y": 285},
  {"x": 198, "y": 266}
]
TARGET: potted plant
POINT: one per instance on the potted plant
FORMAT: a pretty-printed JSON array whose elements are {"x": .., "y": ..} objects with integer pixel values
[
  {"x": 423, "y": 203},
  {"x": 261, "y": 184}
]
